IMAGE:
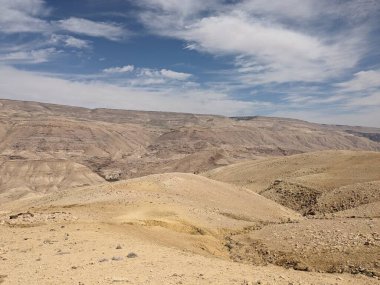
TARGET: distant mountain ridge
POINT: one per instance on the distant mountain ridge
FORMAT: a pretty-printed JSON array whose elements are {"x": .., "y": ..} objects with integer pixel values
[{"x": 120, "y": 144}]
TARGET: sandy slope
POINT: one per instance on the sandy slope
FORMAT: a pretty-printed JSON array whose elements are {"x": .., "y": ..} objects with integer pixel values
[
  {"x": 25, "y": 179},
  {"x": 339, "y": 193},
  {"x": 81, "y": 253},
  {"x": 318, "y": 182},
  {"x": 177, "y": 225},
  {"x": 317, "y": 212}
]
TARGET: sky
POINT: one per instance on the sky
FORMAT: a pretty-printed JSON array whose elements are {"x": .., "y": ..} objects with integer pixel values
[{"x": 315, "y": 60}]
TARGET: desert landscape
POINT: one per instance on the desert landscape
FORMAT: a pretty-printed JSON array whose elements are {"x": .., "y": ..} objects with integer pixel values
[
  {"x": 222, "y": 142},
  {"x": 101, "y": 196}
]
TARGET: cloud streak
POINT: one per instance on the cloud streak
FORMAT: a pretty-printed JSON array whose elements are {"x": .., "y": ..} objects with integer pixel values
[
  {"x": 362, "y": 81},
  {"x": 86, "y": 27},
  {"x": 29, "y": 57},
  {"x": 23, "y": 16},
  {"x": 29, "y": 16},
  {"x": 122, "y": 69}
]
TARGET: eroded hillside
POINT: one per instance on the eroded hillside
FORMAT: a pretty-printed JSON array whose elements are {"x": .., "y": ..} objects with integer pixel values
[{"x": 117, "y": 144}]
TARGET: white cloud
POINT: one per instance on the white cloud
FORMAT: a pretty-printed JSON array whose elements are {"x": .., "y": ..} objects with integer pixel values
[
  {"x": 30, "y": 16},
  {"x": 276, "y": 52},
  {"x": 175, "y": 75},
  {"x": 109, "y": 31},
  {"x": 30, "y": 56},
  {"x": 150, "y": 76},
  {"x": 305, "y": 10},
  {"x": 76, "y": 43},
  {"x": 27, "y": 16},
  {"x": 123, "y": 69},
  {"x": 18, "y": 16},
  {"x": 301, "y": 100},
  {"x": 94, "y": 94},
  {"x": 362, "y": 81},
  {"x": 69, "y": 41},
  {"x": 369, "y": 100},
  {"x": 180, "y": 9},
  {"x": 296, "y": 9}
]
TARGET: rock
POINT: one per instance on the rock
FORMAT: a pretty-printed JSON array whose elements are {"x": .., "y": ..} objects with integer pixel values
[
  {"x": 117, "y": 258},
  {"x": 12, "y": 217},
  {"x": 301, "y": 266},
  {"x": 103, "y": 260},
  {"x": 118, "y": 246},
  {"x": 115, "y": 280},
  {"x": 132, "y": 255}
]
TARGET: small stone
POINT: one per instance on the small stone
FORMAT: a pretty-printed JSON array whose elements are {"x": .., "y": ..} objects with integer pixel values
[
  {"x": 132, "y": 255},
  {"x": 117, "y": 258},
  {"x": 118, "y": 246},
  {"x": 115, "y": 280},
  {"x": 103, "y": 260}
]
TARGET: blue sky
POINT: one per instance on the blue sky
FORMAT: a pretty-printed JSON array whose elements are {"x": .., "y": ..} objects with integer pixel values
[{"x": 316, "y": 60}]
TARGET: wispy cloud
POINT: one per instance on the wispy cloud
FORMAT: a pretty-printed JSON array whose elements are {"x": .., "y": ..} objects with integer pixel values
[
  {"x": 148, "y": 75},
  {"x": 268, "y": 36},
  {"x": 368, "y": 100},
  {"x": 87, "y": 27},
  {"x": 174, "y": 74},
  {"x": 29, "y": 16},
  {"x": 40, "y": 39},
  {"x": 122, "y": 69},
  {"x": 23, "y": 16},
  {"x": 69, "y": 41},
  {"x": 29, "y": 57},
  {"x": 362, "y": 81}
]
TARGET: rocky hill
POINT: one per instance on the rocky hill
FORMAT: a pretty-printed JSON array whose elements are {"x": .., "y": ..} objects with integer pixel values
[
  {"x": 119, "y": 144},
  {"x": 313, "y": 183}
]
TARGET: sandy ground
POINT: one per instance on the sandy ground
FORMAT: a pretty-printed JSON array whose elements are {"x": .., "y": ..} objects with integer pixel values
[
  {"x": 160, "y": 229},
  {"x": 87, "y": 253}
]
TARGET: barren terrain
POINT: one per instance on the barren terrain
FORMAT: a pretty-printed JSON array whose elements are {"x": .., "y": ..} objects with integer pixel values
[
  {"x": 176, "y": 229},
  {"x": 127, "y": 197},
  {"x": 117, "y": 144}
]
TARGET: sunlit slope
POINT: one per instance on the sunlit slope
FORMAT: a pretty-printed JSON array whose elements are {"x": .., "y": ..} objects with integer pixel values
[
  {"x": 21, "y": 179},
  {"x": 327, "y": 181}
]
